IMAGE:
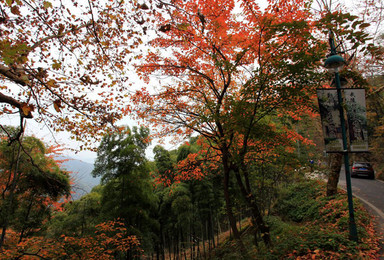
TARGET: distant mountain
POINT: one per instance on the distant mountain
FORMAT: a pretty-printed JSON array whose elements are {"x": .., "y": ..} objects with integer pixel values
[{"x": 81, "y": 175}]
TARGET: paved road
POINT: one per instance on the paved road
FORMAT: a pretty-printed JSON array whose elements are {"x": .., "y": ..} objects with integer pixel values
[{"x": 371, "y": 193}]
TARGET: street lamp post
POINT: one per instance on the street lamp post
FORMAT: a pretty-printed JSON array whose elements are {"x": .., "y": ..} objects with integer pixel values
[{"x": 334, "y": 63}]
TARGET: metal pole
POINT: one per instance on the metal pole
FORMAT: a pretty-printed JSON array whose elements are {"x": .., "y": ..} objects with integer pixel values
[{"x": 352, "y": 224}]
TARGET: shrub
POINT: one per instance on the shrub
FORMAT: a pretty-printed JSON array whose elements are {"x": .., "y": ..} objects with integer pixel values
[
  {"x": 298, "y": 202},
  {"x": 318, "y": 226},
  {"x": 308, "y": 225}
]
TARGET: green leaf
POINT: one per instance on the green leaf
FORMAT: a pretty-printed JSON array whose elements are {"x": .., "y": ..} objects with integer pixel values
[
  {"x": 355, "y": 23},
  {"x": 364, "y": 25},
  {"x": 7, "y": 60},
  {"x": 352, "y": 17}
]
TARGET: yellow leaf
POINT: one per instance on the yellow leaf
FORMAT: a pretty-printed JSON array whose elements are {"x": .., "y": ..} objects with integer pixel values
[
  {"x": 51, "y": 83},
  {"x": 183, "y": 26},
  {"x": 27, "y": 109},
  {"x": 56, "y": 65},
  {"x": 47, "y": 4}
]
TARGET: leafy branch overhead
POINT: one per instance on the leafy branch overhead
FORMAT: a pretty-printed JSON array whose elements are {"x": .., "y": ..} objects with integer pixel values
[{"x": 70, "y": 75}]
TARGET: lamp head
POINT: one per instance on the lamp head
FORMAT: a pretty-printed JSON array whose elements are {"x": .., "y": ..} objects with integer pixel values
[{"x": 334, "y": 63}]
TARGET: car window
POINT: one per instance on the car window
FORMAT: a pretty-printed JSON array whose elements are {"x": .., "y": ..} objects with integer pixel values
[{"x": 361, "y": 165}]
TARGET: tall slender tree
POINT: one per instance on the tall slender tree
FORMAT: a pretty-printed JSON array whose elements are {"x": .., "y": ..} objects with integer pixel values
[
  {"x": 127, "y": 193},
  {"x": 230, "y": 65}
]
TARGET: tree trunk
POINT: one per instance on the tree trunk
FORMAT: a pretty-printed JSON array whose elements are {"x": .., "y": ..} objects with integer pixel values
[
  {"x": 228, "y": 204},
  {"x": 162, "y": 242},
  {"x": 25, "y": 220},
  {"x": 12, "y": 190},
  {"x": 257, "y": 218},
  {"x": 170, "y": 246},
  {"x": 218, "y": 230},
  {"x": 212, "y": 229},
  {"x": 203, "y": 238},
  {"x": 334, "y": 173}
]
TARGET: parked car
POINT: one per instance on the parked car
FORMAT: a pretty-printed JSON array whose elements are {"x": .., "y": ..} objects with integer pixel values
[{"x": 362, "y": 169}]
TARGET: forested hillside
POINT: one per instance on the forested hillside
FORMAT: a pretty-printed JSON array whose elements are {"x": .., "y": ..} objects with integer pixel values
[{"x": 82, "y": 180}]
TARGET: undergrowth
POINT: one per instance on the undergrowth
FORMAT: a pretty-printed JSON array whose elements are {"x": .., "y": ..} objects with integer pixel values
[{"x": 305, "y": 224}]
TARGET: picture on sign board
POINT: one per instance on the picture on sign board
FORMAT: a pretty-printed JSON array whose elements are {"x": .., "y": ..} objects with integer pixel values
[
  {"x": 357, "y": 119},
  {"x": 330, "y": 119}
]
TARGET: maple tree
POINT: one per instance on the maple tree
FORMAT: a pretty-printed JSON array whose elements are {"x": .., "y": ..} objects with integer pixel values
[
  {"x": 233, "y": 66},
  {"x": 65, "y": 65},
  {"x": 31, "y": 183}
]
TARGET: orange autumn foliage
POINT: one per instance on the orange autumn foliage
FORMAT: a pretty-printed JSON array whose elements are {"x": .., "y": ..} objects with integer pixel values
[
  {"x": 110, "y": 239},
  {"x": 207, "y": 161},
  {"x": 228, "y": 66}
]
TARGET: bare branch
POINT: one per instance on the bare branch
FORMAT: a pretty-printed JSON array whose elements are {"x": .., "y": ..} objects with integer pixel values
[
  {"x": 16, "y": 75},
  {"x": 58, "y": 36}
]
